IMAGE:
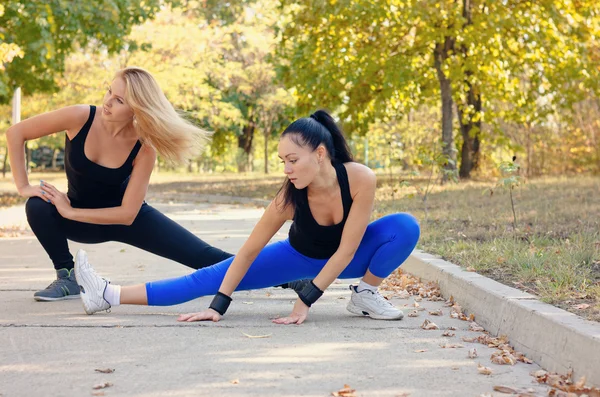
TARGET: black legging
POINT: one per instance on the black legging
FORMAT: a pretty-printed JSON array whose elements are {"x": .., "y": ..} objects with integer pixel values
[{"x": 151, "y": 231}]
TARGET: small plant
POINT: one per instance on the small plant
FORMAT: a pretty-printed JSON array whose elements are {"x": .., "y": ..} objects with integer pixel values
[
  {"x": 510, "y": 179},
  {"x": 435, "y": 164}
]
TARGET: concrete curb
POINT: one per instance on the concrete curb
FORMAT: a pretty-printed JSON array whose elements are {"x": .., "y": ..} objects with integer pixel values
[{"x": 554, "y": 338}]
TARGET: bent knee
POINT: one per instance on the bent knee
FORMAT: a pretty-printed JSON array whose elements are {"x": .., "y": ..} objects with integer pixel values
[
  {"x": 406, "y": 226},
  {"x": 36, "y": 207}
]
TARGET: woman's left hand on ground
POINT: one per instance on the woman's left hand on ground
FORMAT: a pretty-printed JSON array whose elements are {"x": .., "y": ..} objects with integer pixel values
[
  {"x": 60, "y": 200},
  {"x": 207, "y": 315},
  {"x": 299, "y": 314}
]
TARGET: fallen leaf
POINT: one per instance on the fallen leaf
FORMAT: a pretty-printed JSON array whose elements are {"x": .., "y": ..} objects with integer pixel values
[
  {"x": 583, "y": 306},
  {"x": 429, "y": 325},
  {"x": 475, "y": 327},
  {"x": 102, "y": 385},
  {"x": 347, "y": 391},
  {"x": 503, "y": 357},
  {"x": 404, "y": 294},
  {"x": 471, "y": 269},
  {"x": 448, "y": 334},
  {"x": 484, "y": 370},
  {"x": 472, "y": 353},
  {"x": 94, "y": 393},
  {"x": 418, "y": 299},
  {"x": 472, "y": 317},
  {"x": 504, "y": 389},
  {"x": 416, "y": 304},
  {"x": 256, "y": 336},
  {"x": 235, "y": 382},
  {"x": 421, "y": 351},
  {"x": 105, "y": 370},
  {"x": 414, "y": 313},
  {"x": 436, "y": 312},
  {"x": 451, "y": 328},
  {"x": 248, "y": 303}
]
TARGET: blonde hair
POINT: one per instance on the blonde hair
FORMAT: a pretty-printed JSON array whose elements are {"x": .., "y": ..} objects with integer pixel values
[{"x": 157, "y": 123}]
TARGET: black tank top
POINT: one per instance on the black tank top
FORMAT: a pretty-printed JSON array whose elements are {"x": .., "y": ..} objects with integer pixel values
[
  {"x": 92, "y": 185},
  {"x": 306, "y": 235}
]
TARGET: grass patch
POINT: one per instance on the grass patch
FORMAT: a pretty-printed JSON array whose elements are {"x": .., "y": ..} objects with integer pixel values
[{"x": 554, "y": 252}]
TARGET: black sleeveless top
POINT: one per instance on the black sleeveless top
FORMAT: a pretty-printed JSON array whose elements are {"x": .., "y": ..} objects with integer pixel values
[
  {"x": 92, "y": 185},
  {"x": 306, "y": 235}
]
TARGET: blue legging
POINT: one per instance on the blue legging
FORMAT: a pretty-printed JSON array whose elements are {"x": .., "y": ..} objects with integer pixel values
[{"x": 385, "y": 246}]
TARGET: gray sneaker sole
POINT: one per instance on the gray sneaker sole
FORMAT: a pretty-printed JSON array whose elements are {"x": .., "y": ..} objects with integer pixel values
[
  {"x": 352, "y": 308},
  {"x": 48, "y": 299}
]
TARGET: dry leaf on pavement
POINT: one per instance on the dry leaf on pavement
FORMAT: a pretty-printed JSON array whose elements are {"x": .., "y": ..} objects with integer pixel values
[
  {"x": 436, "y": 312},
  {"x": 347, "y": 391},
  {"x": 235, "y": 382},
  {"x": 448, "y": 334},
  {"x": 484, "y": 370},
  {"x": 414, "y": 313},
  {"x": 102, "y": 385},
  {"x": 475, "y": 327},
  {"x": 256, "y": 336},
  {"x": 421, "y": 351},
  {"x": 504, "y": 389},
  {"x": 503, "y": 357},
  {"x": 105, "y": 370},
  {"x": 472, "y": 353},
  {"x": 429, "y": 325}
]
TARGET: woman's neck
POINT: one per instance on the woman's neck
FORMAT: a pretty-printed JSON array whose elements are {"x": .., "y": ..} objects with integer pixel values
[
  {"x": 326, "y": 180},
  {"x": 116, "y": 128}
]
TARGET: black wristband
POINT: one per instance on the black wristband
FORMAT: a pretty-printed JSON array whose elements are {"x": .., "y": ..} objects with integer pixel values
[
  {"x": 220, "y": 303},
  {"x": 310, "y": 294}
]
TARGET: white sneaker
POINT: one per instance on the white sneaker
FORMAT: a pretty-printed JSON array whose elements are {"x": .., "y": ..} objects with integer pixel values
[
  {"x": 91, "y": 285},
  {"x": 372, "y": 304}
]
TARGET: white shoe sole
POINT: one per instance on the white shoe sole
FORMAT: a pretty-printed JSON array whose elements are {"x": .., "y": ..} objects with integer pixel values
[
  {"x": 47, "y": 299},
  {"x": 352, "y": 308}
]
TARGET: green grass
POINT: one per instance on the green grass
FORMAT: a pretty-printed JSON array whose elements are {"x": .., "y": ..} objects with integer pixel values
[{"x": 554, "y": 252}]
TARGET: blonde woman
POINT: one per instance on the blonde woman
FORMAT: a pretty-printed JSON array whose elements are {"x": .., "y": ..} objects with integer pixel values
[{"x": 110, "y": 151}]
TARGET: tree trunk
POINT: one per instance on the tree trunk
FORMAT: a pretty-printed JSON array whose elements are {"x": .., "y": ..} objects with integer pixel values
[
  {"x": 470, "y": 131},
  {"x": 441, "y": 54},
  {"x": 245, "y": 143},
  {"x": 267, "y": 134},
  {"x": 470, "y": 124},
  {"x": 5, "y": 162},
  {"x": 54, "y": 158}
]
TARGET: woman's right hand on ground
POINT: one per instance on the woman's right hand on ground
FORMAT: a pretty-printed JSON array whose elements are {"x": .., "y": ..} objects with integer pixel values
[
  {"x": 32, "y": 191},
  {"x": 207, "y": 315}
]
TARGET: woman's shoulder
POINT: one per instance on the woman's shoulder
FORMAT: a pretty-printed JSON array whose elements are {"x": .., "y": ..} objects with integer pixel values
[{"x": 359, "y": 173}]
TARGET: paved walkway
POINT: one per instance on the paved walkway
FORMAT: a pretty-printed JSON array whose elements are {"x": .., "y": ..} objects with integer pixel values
[{"x": 53, "y": 349}]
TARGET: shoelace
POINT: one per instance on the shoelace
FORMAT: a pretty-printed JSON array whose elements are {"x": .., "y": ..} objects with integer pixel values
[
  {"x": 380, "y": 299},
  {"x": 58, "y": 283}
]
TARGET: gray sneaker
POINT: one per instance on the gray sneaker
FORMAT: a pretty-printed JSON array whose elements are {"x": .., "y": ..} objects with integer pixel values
[{"x": 64, "y": 287}]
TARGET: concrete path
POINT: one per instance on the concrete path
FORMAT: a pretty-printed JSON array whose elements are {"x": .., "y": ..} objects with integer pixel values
[{"x": 53, "y": 349}]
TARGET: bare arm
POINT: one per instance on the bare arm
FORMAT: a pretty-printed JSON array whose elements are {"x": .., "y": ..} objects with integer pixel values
[
  {"x": 132, "y": 200},
  {"x": 68, "y": 118},
  {"x": 265, "y": 229}
]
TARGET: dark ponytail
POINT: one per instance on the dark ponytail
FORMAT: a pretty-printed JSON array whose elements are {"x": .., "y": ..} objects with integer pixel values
[{"x": 319, "y": 128}]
